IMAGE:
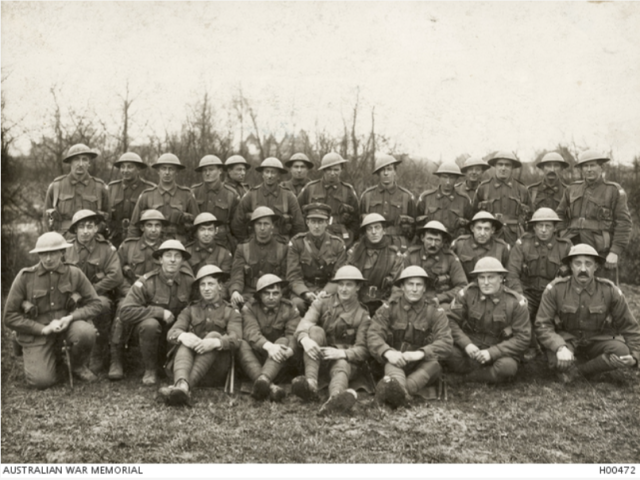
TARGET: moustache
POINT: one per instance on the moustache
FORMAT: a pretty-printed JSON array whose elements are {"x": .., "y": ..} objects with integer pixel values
[{"x": 583, "y": 274}]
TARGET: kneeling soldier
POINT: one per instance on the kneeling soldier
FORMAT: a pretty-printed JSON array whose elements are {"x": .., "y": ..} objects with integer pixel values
[
  {"x": 490, "y": 326},
  {"x": 268, "y": 324}
]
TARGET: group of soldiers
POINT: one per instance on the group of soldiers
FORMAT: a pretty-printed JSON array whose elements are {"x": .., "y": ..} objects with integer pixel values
[{"x": 302, "y": 279}]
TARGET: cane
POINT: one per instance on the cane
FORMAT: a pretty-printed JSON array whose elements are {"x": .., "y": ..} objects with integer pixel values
[
  {"x": 65, "y": 349},
  {"x": 229, "y": 384}
]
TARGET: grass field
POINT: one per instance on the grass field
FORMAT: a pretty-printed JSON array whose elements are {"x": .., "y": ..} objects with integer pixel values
[{"x": 531, "y": 420}]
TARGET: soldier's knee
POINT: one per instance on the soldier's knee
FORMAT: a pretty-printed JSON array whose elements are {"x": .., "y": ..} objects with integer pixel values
[
  {"x": 506, "y": 367},
  {"x": 41, "y": 382},
  {"x": 616, "y": 347},
  {"x": 317, "y": 335},
  {"x": 150, "y": 328},
  {"x": 213, "y": 335},
  {"x": 81, "y": 335},
  {"x": 282, "y": 341},
  {"x": 105, "y": 304},
  {"x": 244, "y": 347}
]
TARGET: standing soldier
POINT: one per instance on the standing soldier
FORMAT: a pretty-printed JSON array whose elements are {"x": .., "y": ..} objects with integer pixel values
[
  {"x": 174, "y": 201},
  {"x": 313, "y": 257},
  {"x": 340, "y": 196},
  {"x": 299, "y": 166},
  {"x": 215, "y": 197},
  {"x": 490, "y": 326},
  {"x": 395, "y": 203},
  {"x": 236, "y": 168},
  {"x": 594, "y": 211},
  {"x": 548, "y": 192},
  {"x": 204, "y": 250},
  {"x": 481, "y": 243},
  {"x": 472, "y": 169},
  {"x": 269, "y": 194},
  {"x": 444, "y": 203},
  {"x": 38, "y": 310},
  {"x": 124, "y": 194},
  {"x": 505, "y": 197},
  {"x": 76, "y": 191}
]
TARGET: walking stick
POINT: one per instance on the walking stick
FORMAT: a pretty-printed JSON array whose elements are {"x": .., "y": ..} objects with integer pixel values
[{"x": 65, "y": 349}]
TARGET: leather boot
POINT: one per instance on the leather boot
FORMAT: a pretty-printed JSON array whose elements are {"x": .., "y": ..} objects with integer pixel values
[
  {"x": 116, "y": 371},
  {"x": 596, "y": 365}
]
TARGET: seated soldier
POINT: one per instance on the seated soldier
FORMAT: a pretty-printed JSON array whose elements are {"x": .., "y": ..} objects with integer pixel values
[
  {"x": 268, "y": 324},
  {"x": 206, "y": 336},
  {"x": 409, "y": 336},
  {"x": 313, "y": 257},
  {"x": 333, "y": 335},
  {"x": 586, "y": 316},
  {"x": 153, "y": 302},
  {"x": 481, "y": 243},
  {"x": 37, "y": 309},
  {"x": 203, "y": 248},
  {"x": 490, "y": 326}
]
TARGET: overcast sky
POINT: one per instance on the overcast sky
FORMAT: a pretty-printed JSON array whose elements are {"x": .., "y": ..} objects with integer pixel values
[{"x": 445, "y": 78}]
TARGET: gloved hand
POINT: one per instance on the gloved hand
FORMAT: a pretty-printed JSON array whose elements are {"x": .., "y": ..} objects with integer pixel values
[
  {"x": 311, "y": 348},
  {"x": 237, "y": 300}
]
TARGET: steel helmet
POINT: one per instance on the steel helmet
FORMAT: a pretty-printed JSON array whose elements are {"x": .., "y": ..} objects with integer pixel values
[
  {"x": 205, "y": 217},
  {"x": 436, "y": 226},
  {"x": 236, "y": 160},
  {"x": 348, "y": 272},
  {"x": 590, "y": 156},
  {"x": 81, "y": 215},
  {"x": 412, "y": 272},
  {"x": 553, "y": 157},
  {"x": 544, "y": 215},
  {"x": 209, "y": 271},
  {"x": 268, "y": 280},
  {"x": 488, "y": 265},
  {"x": 79, "y": 149},
  {"x": 449, "y": 169},
  {"x": 168, "y": 159},
  {"x": 261, "y": 212},
  {"x": 474, "y": 162},
  {"x": 382, "y": 160},
  {"x": 172, "y": 245},
  {"x": 271, "y": 162},
  {"x": 331, "y": 159},
  {"x": 152, "y": 214},
  {"x": 130, "y": 157},
  {"x": 583, "y": 249},
  {"x": 50, "y": 242},
  {"x": 299, "y": 157},
  {"x": 503, "y": 155},
  {"x": 317, "y": 210},
  {"x": 483, "y": 216},
  {"x": 209, "y": 161},
  {"x": 373, "y": 218}
]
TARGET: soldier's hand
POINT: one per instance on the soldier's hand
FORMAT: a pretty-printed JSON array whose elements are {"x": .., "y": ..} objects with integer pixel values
[
  {"x": 128, "y": 272},
  {"x": 168, "y": 317},
  {"x": 189, "y": 339},
  {"x": 73, "y": 301},
  {"x": 565, "y": 358},
  {"x": 624, "y": 361},
  {"x": 276, "y": 351},
  {"x": 330, "y": 353},
  {"x": 207, "y": 345},
  {"x": 472, "y": 350},
  {"x": 311, "y": 348},
  {"x": 396, "y": 358},
  {"x": 413, "y": 356},
  {"x": 611, "y": 261},
  {"x": 237, "y": 300},
  {"x": 310, "y": 297},
  {"x": 53, "y": 327},
  {"x": 483, "y": 356}
]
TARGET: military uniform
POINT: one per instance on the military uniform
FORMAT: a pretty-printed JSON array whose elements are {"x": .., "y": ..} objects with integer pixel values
[
  {"x": 136, "y": 259},
  {"x": 212, "y": 254},
  {"x": 68, "y": 195},
  {"x": 295, "y": 185},
  {"x": 50, "y": 292},
  {"x": 396, "y": 204},
  {"x": 499, "y": 323},
  {"x": 221, "y": 201},
  {"x": 546, "y": 196},
  {"x": 172, "y": 203},
  {"x": 594, "y": 319},
  {"x": 239, "y": 187},
  {"x": 509, "y": 202},
  {"x": 469, "y": 251},
  {"x": 453, "y": 210},
  {"x": 463, "y": 188},
  {"x": 123, "y": 197},
  {"x": 283, "y": 203},
  {"x": 343, "y": 201}
]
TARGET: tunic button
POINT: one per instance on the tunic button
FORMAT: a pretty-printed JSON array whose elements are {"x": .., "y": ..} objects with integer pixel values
[{"x": 52, "y": 304}]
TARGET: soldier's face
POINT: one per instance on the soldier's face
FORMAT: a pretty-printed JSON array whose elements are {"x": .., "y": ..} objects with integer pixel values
[
  {"x": 263, "y": 228},
  {"x": 591, "y": 171},
  {"x": 583, "y": 268},
  {"x": 388, "y": 175},
  {"x": 171, "y": 261},
  {"x": 317, "y": 226},
  {"x": 51, "y": 260},
  {"x": 80, "y": 165},
  {"x": 552, "y": 169},
  {"x": 414, "y": 288},
  {"x": 332, "y": 174},
  {"x": 237, "y": 173},
  {"x": 209, "y": 289},
  {"x": 489, "y": 283},
  {"x": 299, "y": 170},
  {"x": 271, "y": 296},
  {"x": 473, "y": 174},
  {"x": 374, "y": 232},
  {"x": 129, "y": 171},
  {"x": 432, "y": 242},
  {"x": 211, "y": 174},
  {"x": 270, "y": 176},
  {"x": 544, "y": 230},
  {"x": 206, "y": 233},
  {"x": 447, "y": 182},
  {"x": 482, "y": 232},
  {"x": 348, "y": 289},
  {"x": 167, "y": 173},
  {"x": 503, "y": 169},
  {"x": 86, "y": 231},
  {"x": 152, "y": 230}
]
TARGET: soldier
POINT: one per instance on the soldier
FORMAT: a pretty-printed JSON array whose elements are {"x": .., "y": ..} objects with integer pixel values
[
  {"x": 204, "y": 250},
  {"x": 313, "y": 257},
  {"x": 379, "y": 261},
  {"x": 548, "y": 192},
  {"x": 395, "y": 203},
  {"x": 440, "y": 263},
  {"x": 594, "y": 211},
  {"x": 268, "y": 324},
  {"x": 260, "y": 255},
  {"x": 174, "y": 201},
  {"x": 153, "y": 302},
  {"x": 340, "y": 196},
  {"x": 505, "y": 197},
  {"x": 124, "y": 194},
  {"x": 236, "y": 167},
  {"x": 76, "y": 191},
  {"x": 583, "y": 315},
  {"x": 409, "y": 336},
  {"x": 299, "y": 166},
  {"x": 333, "y": 334},
  {"x": 481, "y": 243},
  {"x": 38, "y": 310},
  {"x": 472, "y": 169},
  {"x": 269, "y": 194},
  {"x": 215, "y": 197},
  {"x": 205, "y": 337},
  {"x": 534, "y": 261},
  {"x": 444, "y": 203},
  {"x": 99, "y": 261},
  {"x": 490, "y": 326}
]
